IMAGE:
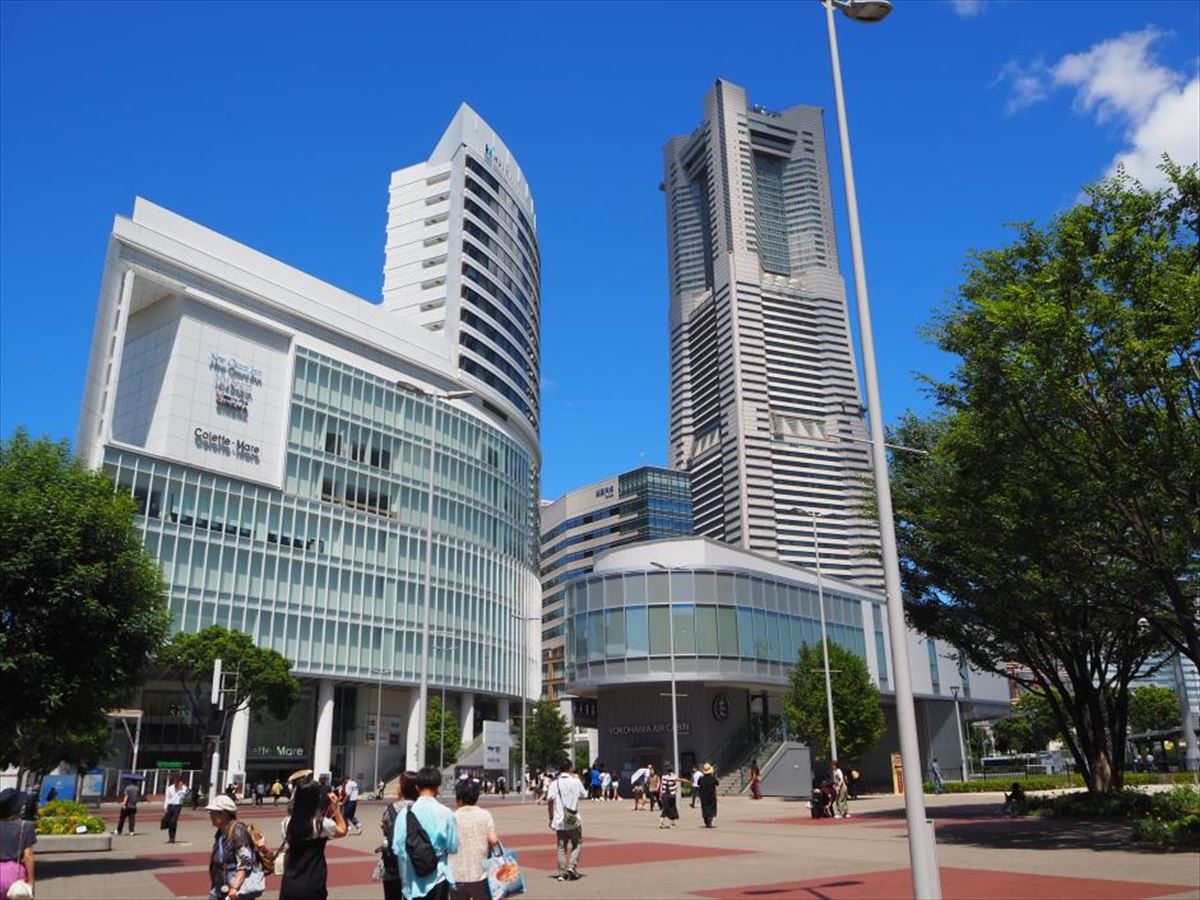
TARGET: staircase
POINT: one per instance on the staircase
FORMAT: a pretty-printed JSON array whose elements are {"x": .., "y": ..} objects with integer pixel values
[{"x": 740, "y": 752}]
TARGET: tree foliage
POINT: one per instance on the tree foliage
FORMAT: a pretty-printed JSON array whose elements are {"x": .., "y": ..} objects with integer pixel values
[
  {"x": 1060, "y": 500},
  {"x": 857, "y": 706},
  {"x": 1029, "y": 729},
  {"x": 255, "y": 677},
  {"x": 82, "y": 605},
  {"x": 548, "y": 734},
  {"x": 1153, "y": 708},
  {"x": 443, "y": 741}
]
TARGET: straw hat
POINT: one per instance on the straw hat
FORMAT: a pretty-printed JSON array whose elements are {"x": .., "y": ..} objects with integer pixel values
[{"x": 708, "y": 769}]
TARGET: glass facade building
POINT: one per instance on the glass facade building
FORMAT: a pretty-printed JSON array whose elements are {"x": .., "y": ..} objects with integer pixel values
[{"x": 645, "y": 504}]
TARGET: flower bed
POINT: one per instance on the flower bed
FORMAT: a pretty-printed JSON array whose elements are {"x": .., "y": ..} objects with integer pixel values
[{"x": 66, "y": 817}]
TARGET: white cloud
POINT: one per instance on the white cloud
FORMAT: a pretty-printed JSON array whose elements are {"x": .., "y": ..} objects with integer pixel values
[
  {"x": 967, "y": 8},
  {"x": 1120, "y": 80}
]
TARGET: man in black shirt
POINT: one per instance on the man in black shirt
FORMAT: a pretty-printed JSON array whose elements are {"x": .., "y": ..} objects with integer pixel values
[{"x": 129, "y": 804}]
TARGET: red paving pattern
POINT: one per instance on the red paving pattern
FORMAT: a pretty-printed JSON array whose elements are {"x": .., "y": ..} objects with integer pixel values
[
  {"x": 957, "y": 884},
  {"x": 623, "y": 854}
]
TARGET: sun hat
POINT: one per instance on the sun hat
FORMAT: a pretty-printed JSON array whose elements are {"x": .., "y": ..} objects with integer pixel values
[
  {"x": 12, "y": 801},
  {"x": 708, "y": 769},
  {"x": 222, "y": 803}
]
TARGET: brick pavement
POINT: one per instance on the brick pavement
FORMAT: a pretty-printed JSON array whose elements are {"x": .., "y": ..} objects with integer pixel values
[{"x": 768, "y": 848}]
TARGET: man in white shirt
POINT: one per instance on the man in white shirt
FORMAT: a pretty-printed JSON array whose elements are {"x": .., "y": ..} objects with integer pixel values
[
  {"x": 173, "y": 806},
  {"x": 351, "y": 787},
  {"x": 562, "y": 800},
  {"x": 696, "y": 776}
]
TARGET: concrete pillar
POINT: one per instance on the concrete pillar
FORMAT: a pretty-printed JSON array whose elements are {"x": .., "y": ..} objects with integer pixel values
[
  {"x": 415, "y": 722},
  {"x": 323, "y": 744},
  {"x": 502, "y": 712},
  {"x": 239, "y": 737},
  {"x": 466, "y": 715}
]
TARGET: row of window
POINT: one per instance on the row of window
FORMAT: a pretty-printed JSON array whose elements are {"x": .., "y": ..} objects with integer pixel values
[
  {"x": 509, "y": 203},
  {"x": 484, "y": 259},
  {"x": 486, "y": 375},
  {"x": 498, "y": 240},
  {"x": 499, "y": 211}
]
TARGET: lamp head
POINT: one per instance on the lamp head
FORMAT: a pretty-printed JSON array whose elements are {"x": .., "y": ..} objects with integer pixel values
[{"x": 864, "y": 10}]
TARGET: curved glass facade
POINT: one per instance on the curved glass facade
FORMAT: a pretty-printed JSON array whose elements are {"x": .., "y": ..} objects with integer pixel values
[
  {"x": 728, "y": 624},
  {"x": 330, "y": 571}
]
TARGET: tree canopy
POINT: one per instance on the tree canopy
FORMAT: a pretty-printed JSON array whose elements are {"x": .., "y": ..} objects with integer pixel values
[
  {"x": 548, "y": 735},
  {"x": 1059, "y": 504},
  {"x": 443, "y": 741},
  {"x": 82, "y": 605},
  {"x": 1031, "y": 727},
  {"x": 1153, "y": 708},
  {"x": 256, "y": 677},
  {"x": 857, "y": 706}
]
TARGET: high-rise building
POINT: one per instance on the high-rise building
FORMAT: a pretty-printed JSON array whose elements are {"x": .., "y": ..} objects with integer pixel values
[
  {"x": 646, "y": 504},
  {"x": 764, "y": 399},
  {"x": 282, "y": 439},
  {"x": 462, "y": 258}
]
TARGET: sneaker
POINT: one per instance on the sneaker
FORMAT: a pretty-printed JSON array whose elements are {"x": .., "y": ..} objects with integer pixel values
[
  {"x": 573, "y": 874},
  {"x": 560, "y": 877}
]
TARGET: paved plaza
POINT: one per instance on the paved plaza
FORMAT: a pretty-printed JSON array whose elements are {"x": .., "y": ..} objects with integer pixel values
[{"x": 770, "y": 848}]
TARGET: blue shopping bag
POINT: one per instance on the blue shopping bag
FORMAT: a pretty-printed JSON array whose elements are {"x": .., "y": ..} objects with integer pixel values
[{"x": 504, "y": 875}]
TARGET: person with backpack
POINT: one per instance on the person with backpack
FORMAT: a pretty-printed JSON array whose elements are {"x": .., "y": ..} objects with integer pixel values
[
  {"x": 426, "y": 835},
  {"x": 305, "y": 833},
  {"x": 389, "y": 863},
  {"x": 563, "y": 798},
  {"x": 234, "y": 869}
]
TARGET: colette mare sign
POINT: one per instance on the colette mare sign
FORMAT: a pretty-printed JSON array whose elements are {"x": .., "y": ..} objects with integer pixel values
[{"x": 648, "y": 728}]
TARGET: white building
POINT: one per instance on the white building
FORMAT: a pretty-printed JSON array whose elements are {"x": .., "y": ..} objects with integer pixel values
[{"x": 281, "y": 436}]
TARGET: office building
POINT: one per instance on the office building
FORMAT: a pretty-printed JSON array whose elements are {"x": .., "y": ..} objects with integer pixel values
[
  {"x": 764, "y": 395},
  {"x": 295, "y": 460}
]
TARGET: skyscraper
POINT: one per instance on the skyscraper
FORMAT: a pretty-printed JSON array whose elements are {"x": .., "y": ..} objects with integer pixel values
[{"x": 764, "y": 407}]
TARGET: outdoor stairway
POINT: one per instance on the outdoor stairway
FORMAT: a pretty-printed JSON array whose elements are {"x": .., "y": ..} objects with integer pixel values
[{"x": 737, "y": 780}]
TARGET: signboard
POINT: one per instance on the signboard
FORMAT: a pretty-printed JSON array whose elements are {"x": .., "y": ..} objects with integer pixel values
[
  {"x": 648, "y": 728},
  {"x": 92, "y": 786},
  {"x": 497, "y": 744},
  {"x": 583, "y": 712}
]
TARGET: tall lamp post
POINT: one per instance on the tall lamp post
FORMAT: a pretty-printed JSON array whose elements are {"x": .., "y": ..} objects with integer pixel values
[
  {"x": 921, "y": 848},
  {"x": 441, "y": 649},
  {"x": 435, "y": 399},
  {"x": 962, "y": 748},
  {"x": 378, "y": 722},
  {"x": 674, "y": 693},
  {"x": 524, "y": 620},
  {"x": 812, "y": 515}
]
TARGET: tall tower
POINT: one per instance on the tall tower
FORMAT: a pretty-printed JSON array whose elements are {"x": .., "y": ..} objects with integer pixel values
[
  {"x": 764, "y": 408},
  {"x": 462, "y": 258}
]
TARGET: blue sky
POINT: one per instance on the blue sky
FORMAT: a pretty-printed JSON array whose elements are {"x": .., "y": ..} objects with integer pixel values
[{"x": 279, "y": 124}]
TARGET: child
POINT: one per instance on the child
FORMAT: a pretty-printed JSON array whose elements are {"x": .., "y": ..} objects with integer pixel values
[{"x": 1014, "y": 801}]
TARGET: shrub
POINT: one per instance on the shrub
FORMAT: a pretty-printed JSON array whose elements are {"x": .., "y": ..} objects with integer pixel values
[
  {"x": 69, "y": 824},
  {"x": 1053, "y": 782},
  {"x": 63, "y": 808}
]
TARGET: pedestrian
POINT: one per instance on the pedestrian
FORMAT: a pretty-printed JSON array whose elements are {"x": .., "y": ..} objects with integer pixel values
[
  {"x": 596, "y": 783},
  {"x": 707, "y": 789},
  {"x": 668, "y": 798},
  {"x": 433, "y": 827},
  {"x": 52, "y": 794},
  {"x": 351, "y": 791},
  {"x": 234, "y": 870},
  {"x": 17, "y": 838},
  {"x": 653, "y": 786},
  {"x": 502, "y": 786},
  {"x": 840, "y": 791},
  {"x": 638, "y": 786},
  {"x": 935, "y": 772},
  {"x": 476, "y": 838},
  {"x": 755, "y": 780},
  {"x": 852, "y": 779},
  {"x": 696, "y": 776},
  {"x": 563, "y": 806},
  {"x": 195, "y": 800},
  {"x": 605, "y": 785},
  {"x": 390, "y": 873},
  {"x": 305, "y": 833},
  {"x": 130, "y": 797},
  {"x": 172, "y": 807},
  {"x": 276, "y": 791}
]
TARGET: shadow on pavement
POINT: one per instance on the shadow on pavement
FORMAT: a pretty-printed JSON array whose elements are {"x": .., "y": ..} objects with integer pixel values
[
  {"x": 49, "y": 867},
  {"x": 1044, "y": 834}
]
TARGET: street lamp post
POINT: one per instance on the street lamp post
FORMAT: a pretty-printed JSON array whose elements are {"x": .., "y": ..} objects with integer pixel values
[
  {"x": 423, "y": 696},
  {"x": 674, "y": 693},
  {"x": 378, "y": 726},
  {"x": 812, "y": 515},
  {"x": 524, "y": 620},
  {"x": 921, "y": 848},
  {"x": 442, "y": 648},
  {"x": 962, "y": 748}
]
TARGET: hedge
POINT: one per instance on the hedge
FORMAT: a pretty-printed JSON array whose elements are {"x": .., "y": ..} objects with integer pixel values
[{"x": 1053, "y": 782}]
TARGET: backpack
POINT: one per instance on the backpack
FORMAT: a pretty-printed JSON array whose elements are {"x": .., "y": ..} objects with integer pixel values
[
  {"x": 266, "y": 856},
  {"x": 419, "y": 848},
  {"x": 389, "y": 862}
]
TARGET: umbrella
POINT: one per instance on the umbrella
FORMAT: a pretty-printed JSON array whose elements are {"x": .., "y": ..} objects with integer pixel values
[
  {"x": 638, "y": 775},
  {"x": 298, "y": 774},
  {"x": 133, "y": 776}
]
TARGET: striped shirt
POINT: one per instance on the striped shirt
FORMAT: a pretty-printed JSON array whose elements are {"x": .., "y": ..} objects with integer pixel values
[{"x": 670, "y": 784}]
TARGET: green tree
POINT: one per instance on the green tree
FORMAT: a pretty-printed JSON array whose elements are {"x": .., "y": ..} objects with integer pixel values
[
  {"x": 1060, "y": 500},
  {"x": 1029, "y": 729},
  {"x": 255, "y": 677},
  {"x": 549, "y": 736},
  {"x": 857, "y": 707},
  {"x": 1153, "y": 708},
  {"x": 82, "y": 605},
  {"x": 443, "y": 740}
]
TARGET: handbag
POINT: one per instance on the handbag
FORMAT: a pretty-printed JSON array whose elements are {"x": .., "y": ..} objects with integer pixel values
[
  {"x": 165, "y": 822},
  {"x": 504, "y": 875},
  {"x": 20, "y": 890}
]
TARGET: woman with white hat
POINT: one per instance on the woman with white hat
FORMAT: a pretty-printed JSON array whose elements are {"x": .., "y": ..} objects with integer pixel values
[{"x": 234, "y": 863}]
